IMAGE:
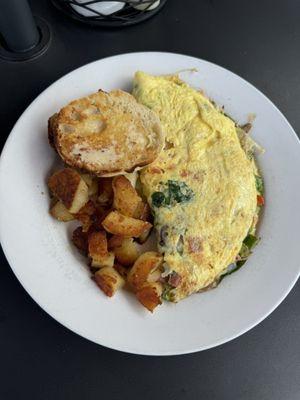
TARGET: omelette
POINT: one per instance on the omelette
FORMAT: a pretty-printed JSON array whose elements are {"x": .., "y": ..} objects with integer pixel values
[{"x": 202, "y": 189}]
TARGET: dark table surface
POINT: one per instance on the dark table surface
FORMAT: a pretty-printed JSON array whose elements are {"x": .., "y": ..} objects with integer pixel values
[{"x": 40, "y": 359}]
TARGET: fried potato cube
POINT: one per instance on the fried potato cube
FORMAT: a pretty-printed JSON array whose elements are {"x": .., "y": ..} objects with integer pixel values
[
  {"x": 125, "y": 249},
  {"x": 92, "y": 184},
  {"x": 68, "y": 186},
  {"x": 144, "y": 236},
  {"x": 105, "y": 197},
  {"x": 149, "y": 295},
  {"x": 154, "y": 276},
  {"x": 86, "y": 215},
  {"x": 145, "y": 212},
  {"x": 126, "y": 199},
  {"x": 98, "y": 252},
  {"x": 123, "y": 271},
  {"x": 109, "y": 280},
  {"x": 98, "y": 217},
  {"x": 145, "y": 216},
  {"x": 60, "y": 212},
  {"x": 93, "y": 188},
  {"x": 106, "y": 261},
  {"x": 80, "y": 240},
  {"x": 143, "y": 268},
  {"x": 85, "y": 219},
  {"x": 119, "y": 224},
  {"x": 132, "y": 177},
  {"x": 91, "y": 217},
  {"x": 89, "y": 208}
]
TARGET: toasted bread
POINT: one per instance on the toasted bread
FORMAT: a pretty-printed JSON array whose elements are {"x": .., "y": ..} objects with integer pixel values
[
  {"x": 51, "y": 129},
  {"x": 106, "y": 134}
]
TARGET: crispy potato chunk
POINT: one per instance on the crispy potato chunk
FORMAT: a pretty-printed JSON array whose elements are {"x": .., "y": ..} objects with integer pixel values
[
  {"x": 86, "y": 215},
  {"x": 88, "y": 179},
  {"x": 145, "y": 216},
  {"x": 109, "y": 280},
  {"x": 145, "y": 212},
  {"x": 105, "y": 197},
  {"x": 92, "y": 183},
  {"x": 144, "y": 236},
  {"x": 126, "y": 199},
  {"x": 123, "y": 271},
  {"x": 89, "y": 208},
  {"x": 96, "y": 219},
  {"x": 106, "y": 261},
  {"x": 125, "y": 249},
  {"x": 60, "y": 212},
  {"x": 98, "y": 244},
  {"x": 68, "y": 186},
  {"x": 98, "y": 252},
  {"x": 154, "y": 276},
  {"x": 119, "y": 224},
  {"x": 149, "y": 295},
  {"x": 80, "y": 240},
  {"x": 144, "y": 266},
  {"x": 132, "y": 177},
  {"x": 93, "y": 188}
]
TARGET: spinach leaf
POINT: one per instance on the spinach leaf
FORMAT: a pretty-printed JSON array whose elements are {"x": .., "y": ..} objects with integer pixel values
[
  {"x": 259, "y": 184},
  {"x": 158, "y": 199},
  {"x": 250, "y": 241},
  {"x": 244, "y": 252},
  {"x": 167, "y": 293},
  {"x": 236, "y": 267},
  {"x": 174, "y": 192},
  {"x": 180, "y": 191}
]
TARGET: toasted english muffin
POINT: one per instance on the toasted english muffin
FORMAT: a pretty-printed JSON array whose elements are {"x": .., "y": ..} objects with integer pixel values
[{"x": 106, "y": 134}]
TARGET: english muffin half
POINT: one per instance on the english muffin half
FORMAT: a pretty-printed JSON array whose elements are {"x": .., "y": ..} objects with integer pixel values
[{"x": 106, "y": 133}]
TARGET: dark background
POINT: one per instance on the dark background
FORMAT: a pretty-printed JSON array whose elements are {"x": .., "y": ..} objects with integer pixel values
[{"x": 40, "y": 359}]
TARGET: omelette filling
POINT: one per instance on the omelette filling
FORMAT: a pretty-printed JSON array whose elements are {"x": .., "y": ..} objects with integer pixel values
[{"x": 204, "y": 189}]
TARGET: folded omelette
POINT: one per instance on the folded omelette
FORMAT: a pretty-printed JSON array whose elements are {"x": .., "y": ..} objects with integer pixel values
[{"x": 201, "y": 189}]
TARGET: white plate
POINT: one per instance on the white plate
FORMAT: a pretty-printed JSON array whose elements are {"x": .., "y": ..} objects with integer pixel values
[{"x": 39, "y": 250}]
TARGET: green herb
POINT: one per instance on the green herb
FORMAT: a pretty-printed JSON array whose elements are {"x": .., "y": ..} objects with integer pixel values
[
  {"x": 259, "y": 184},
  {"x": 249, "y": 242},
  {"x": 179, "y": 191},
  {"x": 174, "y": 192},
  {"x": 158, "y": 199},
  {"x": 244, "y": 252},
  {"x": 238, "y": 265},
  {"x": 166, "y": 295},
  {"x": 167, "y": 292}
]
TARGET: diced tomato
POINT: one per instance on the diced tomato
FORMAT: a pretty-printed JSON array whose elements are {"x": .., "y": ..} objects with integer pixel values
[{"x": 260, "y": 200}]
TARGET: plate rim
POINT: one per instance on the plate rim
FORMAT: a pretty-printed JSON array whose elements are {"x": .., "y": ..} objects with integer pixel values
[{"x": 12, "y": 134}]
